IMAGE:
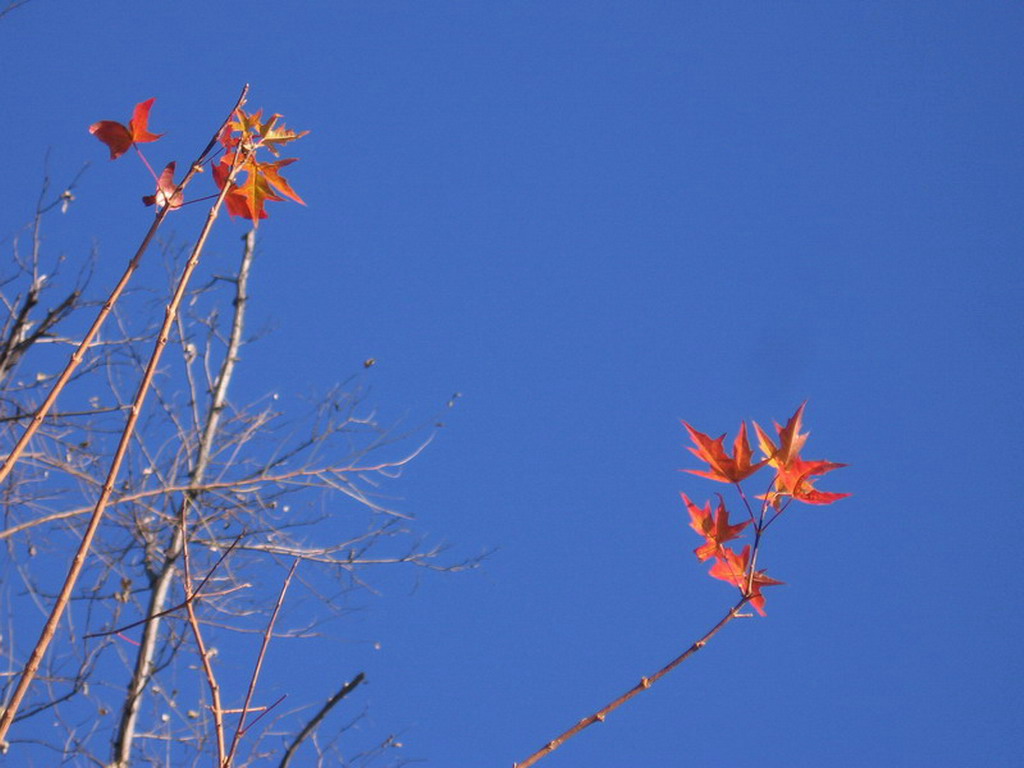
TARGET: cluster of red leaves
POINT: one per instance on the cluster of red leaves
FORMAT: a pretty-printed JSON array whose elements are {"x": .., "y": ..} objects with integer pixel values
[
  {"x": 792, "y": 481},
  {"x": 241, "y": 138},
  {"x": 263, "y": 180}
]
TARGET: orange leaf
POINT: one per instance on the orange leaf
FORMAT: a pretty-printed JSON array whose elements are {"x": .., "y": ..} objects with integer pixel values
[
  {"x": 235, "y": 199},
  {"x": 724, "y": 468},
  {"x": 733, "y": 568},
  {"x": 794, "y": 474},
  {"x": 118, "y": 138},
  {"x": 794, "y": 479},
  {"x": 165, "y": 191},
  {"x": 268, "y": 134},
  {"x": 790, "y": 440},
  {"x": 715, "y": 530},
  {"x": 263, "y": 182},
  {"x": 277, "y": 181}
]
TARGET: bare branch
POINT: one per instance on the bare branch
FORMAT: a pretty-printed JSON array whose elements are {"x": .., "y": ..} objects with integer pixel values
[
  {"x": 50, "y": 628},
  {"x": 314, "y": 722},
  {"x": 643, "y": 685},
  {"x": 240, "y": 729}
]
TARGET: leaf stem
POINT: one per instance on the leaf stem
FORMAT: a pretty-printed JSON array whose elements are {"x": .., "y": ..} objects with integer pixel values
[{"x": 142, "y": 157}]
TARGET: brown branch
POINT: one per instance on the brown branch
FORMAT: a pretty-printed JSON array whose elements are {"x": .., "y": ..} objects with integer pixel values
[
  {"x": 240, "y": 729},
  {"x": 50, "y": 628},
  {"x": 315, "y": 721},
  {"x": 643, "y": 685},
  {"x": 303, "y": 477},
  {"x": 204, "y": 654},
  {"x": 11, "y": 6},
  {"x": 161, "y": 582}
]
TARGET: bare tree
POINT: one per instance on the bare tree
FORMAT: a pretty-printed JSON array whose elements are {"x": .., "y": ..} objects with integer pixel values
[{"x": 211, "y": 497}]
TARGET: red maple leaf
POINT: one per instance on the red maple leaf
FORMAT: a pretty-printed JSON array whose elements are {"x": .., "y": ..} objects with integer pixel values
[
  {"x": 716, "y": 529},
  {"x": 794, "y": 479},
  {"x": 733, "y": 568},
  {"x": 165, "y": 190},
  {"x": 794, "y": 474},
  {"x": 118, "y": 138},
  {"x": 234, "y": 201},
  {"x": 724, "y": 468}
]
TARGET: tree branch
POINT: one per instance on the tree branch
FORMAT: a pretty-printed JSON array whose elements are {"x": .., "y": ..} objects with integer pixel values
[
  {"x": 643, "y": 685},
  {"x": 315, "y": 721}
]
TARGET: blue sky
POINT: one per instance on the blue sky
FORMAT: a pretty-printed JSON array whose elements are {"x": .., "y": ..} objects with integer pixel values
[{"x": 594, "y": 219}]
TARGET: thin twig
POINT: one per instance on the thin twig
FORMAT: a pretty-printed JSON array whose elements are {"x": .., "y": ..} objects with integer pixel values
[
  {"x": 240, "y": 729},
  {"x": 11, "y": 6},
  {"x": 160, "y": 582},
  {"x": 50, "y": 628},
  {"x": 643, "y": 685},
  {"x": 315, "y": 721},
  {"x": 191, "y": 596},
  {"x": 204, "y": 654}
]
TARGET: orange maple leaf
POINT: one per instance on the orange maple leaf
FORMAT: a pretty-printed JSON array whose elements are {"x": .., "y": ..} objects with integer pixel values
[
  {"x": 794, "y": 474},
  {"x": 263, "y": 182},
  {"x": 235, "y": 202},
  {"x": 724, "y": 468},
  {"x": 118, "y": 138},
  {"x": 794, "y": 479},
  {"x": 715, "y": 529},
  {"x": 268, "y": 134},
  {"x": 733, "y": 568},
  {"x": 790, "y": 440},
  {"x": 165, "y": 191}
]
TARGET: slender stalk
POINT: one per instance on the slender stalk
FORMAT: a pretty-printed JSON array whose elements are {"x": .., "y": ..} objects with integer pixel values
[
  {"x": 191, "y": 596},
  {"x": 78, "y": 562},
  {"x": 103, "y": 314},
  {"x": 240, "y": 729},
  {"x": 204, "y": 655},
  {"x": 643, "y": 685},
  {"x": 315, "y": 721},
  {"x": 161, "y": 582}
]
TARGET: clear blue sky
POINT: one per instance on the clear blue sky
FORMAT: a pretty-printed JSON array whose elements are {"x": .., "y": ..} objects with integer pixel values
[{"x": 594, "y": 219}]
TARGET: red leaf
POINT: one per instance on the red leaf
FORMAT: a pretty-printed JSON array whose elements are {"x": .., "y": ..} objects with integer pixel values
[
  {"x": 733, "y": 568},
  {"x": 165, "y": 191},
  {"x": 794, "y": 479},
  {"x": 715, "y": 530},
  {"x": 114, "y": 135},
  {"x": 235, "y": 199},
  {"x": 118, "y": 138},
  {"x": 139, "y": 124},
  {"x": 794, "y": 474},
  {"x": 724, "y": 468}
]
